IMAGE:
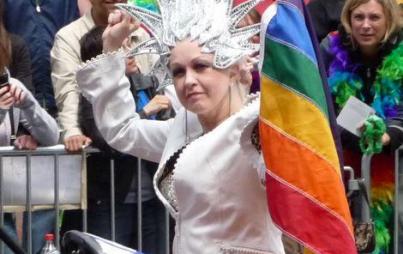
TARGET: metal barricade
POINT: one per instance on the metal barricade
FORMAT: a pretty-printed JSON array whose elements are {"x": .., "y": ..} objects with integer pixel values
[
  {"x": 64, "y": 163},
  {"x": 17, "y": 192},
  {"x": 398, "y": 202},
  {"x": 353, "y": 185},
  {"x": 139, "y": 209},
  {"x": 398, "y": 218}
]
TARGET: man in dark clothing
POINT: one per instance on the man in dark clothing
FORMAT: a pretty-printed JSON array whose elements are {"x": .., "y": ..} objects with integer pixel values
[
  {"x": 37, "y": 23},
  {"x": 325, "y": 16}
]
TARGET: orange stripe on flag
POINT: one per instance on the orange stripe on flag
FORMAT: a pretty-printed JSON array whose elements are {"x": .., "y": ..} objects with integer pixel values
[
  {"x": 305, "y": 171},
  {"x": 307, "y": 124}
]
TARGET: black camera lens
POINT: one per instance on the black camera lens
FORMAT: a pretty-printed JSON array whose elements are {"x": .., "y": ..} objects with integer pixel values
[{"x": 4, "y": 79}]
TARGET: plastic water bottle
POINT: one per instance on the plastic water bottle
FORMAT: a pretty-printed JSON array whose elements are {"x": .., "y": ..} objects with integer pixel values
[{"x": 49, "y": 247}]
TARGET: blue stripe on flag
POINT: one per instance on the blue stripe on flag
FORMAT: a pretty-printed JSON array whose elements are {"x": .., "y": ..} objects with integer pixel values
[{"x": 296, "y": 35}]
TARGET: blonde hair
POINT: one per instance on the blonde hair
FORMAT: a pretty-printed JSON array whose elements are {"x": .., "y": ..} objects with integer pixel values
[{"x": 390, "y": 8}]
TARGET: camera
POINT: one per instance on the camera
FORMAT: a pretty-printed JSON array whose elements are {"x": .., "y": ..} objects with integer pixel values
[{"x": 4, "y": 78}]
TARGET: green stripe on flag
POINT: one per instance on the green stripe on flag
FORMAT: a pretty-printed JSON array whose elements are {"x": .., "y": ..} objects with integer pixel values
[{"x": 290, "y": 67}]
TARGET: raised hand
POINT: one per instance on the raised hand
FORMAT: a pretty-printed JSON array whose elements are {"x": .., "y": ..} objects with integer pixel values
[
  {"x": 120, "y": 26},
  {"x": 246, "y": 67}
]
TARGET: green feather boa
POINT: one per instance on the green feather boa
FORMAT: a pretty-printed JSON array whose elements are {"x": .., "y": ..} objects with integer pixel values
[{"x": 371, "y": 137}]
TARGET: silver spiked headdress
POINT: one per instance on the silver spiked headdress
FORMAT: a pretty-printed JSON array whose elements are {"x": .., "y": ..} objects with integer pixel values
[{"x": 213, "y": 23}]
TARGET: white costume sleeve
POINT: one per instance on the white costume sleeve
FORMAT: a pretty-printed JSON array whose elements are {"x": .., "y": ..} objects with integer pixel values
[{"x": 104, "y": 84}]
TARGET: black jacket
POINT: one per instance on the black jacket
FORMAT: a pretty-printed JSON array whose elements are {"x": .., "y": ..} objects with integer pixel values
[
  {"x": 38, "y": 30},
  {"x": 20, "y": 67},
  {"x": 325, "y": 16}
]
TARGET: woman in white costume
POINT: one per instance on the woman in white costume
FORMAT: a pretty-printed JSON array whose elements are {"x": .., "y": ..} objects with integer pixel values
[{"x": 211, "y": 173}]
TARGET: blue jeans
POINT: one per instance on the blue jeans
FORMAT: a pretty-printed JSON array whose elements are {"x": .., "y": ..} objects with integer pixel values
[
  {"x": 9, "y": 227},
  {"x": 43, "y": 222},
  {"x": 99, "y": 224}
]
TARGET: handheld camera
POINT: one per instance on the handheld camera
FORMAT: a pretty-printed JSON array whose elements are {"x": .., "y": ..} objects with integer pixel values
[{"x": 4, "y": 78}]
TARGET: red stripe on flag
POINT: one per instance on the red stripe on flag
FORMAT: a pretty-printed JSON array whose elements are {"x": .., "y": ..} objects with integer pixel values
[
  {"x": 300, "y": 202},
  {"x": 311, "y": 223}
]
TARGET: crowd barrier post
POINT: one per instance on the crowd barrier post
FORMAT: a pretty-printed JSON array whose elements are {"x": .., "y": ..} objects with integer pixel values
[
  {"x": 398, "y": 215},
  {"x": 139, "y": 207},
  {"x": 366, "y": 176},
  {"x": 112, "y": 190}
]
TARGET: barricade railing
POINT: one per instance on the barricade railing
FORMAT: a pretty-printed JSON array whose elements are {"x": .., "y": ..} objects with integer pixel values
[
  {"x": 398, "y": 216},
  {"x": 21, "y": 190},
  {"x": 16, "y": 168},
  {"x": 398, "y": 195}
]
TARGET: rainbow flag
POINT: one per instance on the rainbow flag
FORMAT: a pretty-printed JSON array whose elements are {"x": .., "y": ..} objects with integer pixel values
[
  {"x": 151, "y": 5},
  {"x": 305, "y": 191}
]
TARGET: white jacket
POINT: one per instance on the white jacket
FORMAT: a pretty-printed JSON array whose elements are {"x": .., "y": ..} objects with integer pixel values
[{"x": 222, "y": 204}]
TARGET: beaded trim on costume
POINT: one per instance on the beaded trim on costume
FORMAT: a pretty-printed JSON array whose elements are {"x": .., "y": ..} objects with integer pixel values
[
  {"x": 166, "y": 179},
  {"x": 99, "y": 57}
]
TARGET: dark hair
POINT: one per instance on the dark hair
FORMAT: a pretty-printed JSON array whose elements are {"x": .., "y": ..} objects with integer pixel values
[
  {"x": 5, "y": 44},
  {"x": 91, "y": 43}
]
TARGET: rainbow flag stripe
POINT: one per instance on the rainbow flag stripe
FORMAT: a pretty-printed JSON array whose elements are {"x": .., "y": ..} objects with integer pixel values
[{"x": 304, "y": 187}]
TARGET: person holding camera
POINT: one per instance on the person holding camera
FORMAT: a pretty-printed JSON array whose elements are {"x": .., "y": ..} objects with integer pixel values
[
  {"x": 22, "y": 121},
  {"x": 26, "y": 125},
  {"x": 18, "y": 107}
]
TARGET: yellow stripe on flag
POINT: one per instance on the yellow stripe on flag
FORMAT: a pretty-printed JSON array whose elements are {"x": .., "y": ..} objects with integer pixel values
[{"x": 307, "y": 124}]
